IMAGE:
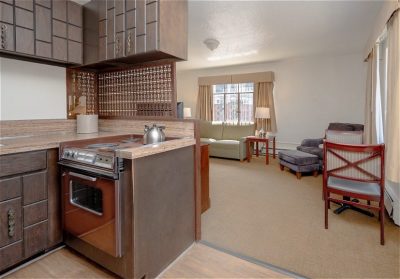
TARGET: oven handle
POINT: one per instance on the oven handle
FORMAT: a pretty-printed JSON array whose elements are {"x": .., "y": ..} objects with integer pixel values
[{"x": 82, "y": 176}]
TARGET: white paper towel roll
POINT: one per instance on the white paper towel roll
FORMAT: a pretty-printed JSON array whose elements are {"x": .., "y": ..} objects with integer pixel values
[{"x": 87, "y": 124}]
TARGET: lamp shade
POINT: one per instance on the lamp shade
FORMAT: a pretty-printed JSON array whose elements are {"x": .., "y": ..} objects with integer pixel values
[
  {"x": 262, "y": 113},
  {"x": 187, "y": 112}
]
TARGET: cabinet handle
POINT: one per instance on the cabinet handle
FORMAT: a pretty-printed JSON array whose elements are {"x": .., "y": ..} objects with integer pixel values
[
  {"x": 11, "y": 222},
  {"x": 117, "y": 46},
  {"x": 129, "y": 42},
  {"x": 3, "y": 36}
]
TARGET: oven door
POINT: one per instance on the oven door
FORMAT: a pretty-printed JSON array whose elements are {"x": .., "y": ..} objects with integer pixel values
[{"x": 91, "y": 210}]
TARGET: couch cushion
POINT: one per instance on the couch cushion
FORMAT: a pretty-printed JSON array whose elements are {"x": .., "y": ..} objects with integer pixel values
[
  {"x": 312, "y": 150},
  {"x": 207, "y": 140},
  {"x": 236, "y": 132},
  {"x": 298, "y": 157},
  {"x": 365, "y": 188},
  {"x": 226, "y": 144},
  {"x": 209, "y": 130}
]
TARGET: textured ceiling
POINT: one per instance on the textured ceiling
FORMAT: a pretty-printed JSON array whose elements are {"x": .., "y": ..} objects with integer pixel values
[{"x": 259, "y": 31}]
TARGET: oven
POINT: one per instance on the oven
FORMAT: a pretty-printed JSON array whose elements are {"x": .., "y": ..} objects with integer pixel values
[{"x": 92, "y": 209}]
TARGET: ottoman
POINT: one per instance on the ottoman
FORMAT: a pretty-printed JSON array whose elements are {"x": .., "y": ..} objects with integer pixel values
[{"x": 298, "y": 162}]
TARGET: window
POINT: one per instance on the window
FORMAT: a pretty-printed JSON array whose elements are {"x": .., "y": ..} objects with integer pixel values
[{"x": 233, "y": 103}]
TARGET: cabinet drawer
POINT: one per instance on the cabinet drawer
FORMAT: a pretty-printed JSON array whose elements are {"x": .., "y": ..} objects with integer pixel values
[
  {"x": 10, "y": 188},
  {"x": 22, "y": 162},
  {"x": 6, "y": 13},
  {"x": 34, "y": 187},
  {"x": 11, "y": 254},
  {"x": 35, "y": 239},
  {"x": 35, "y": 213},
  {"x": 10, "y": 231}
]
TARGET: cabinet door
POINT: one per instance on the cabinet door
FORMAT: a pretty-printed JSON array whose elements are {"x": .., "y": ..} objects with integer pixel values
[
  {"x": 60, "y": 49},
  {"x": 74, "y": 33},
  {"x": 110, "y": 51},
  {"x": 43, "y": 24},
  {"x": 7, "y": 37},
  {"x": 6, "y": 13},
  {"x": 44, "y": 3},
  {"x": 140, "y": 17},
  {"x": 60, "y": 10},
  {"x": 59, "y": 28},
  {"x": 102, "y": 8},
  {"x": 24, "y": 40},
  {"x": 35, "y": 239},
  {"x": 110, "y": 26},
  {"x": 130, "y": 19},
  {"x": 119, "y": 7},
  {"x": 74, "y": 52},
  {"x": 152, "y": 36},
  {"x": 10, "y": 188},
  {"x": 130, "y": 5},
  {"x": 35, "y": 213},
  {"x": 10, "y": 221}
]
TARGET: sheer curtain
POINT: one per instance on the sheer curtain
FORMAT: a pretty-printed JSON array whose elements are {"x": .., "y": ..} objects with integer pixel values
[
  {"x": 392, "y": 131},
  {"x": 204, "y": 110},
  {"x": 263, "y": 97}
]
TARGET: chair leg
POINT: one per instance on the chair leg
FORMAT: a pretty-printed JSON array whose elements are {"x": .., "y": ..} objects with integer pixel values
[
  {"x": 298, "y": 174},
  {"x": 326, "y": 211},
  {"x": 282, "y": 167},
  {"x": 329, "y": 202},
  {"x": 369, "y": 202},
  {"x": 382, "y": 219}
]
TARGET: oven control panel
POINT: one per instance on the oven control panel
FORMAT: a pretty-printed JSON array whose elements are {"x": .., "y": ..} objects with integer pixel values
[{"x": 88, "y": 157}]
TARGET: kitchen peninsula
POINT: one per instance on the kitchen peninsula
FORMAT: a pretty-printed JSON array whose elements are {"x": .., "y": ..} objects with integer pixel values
[{"x": 157, "y": 198}]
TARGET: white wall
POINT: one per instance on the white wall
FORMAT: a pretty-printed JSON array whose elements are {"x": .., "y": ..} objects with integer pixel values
[
  {"x": 31, "y": 90},
  {"x": 309, "y": 92}
]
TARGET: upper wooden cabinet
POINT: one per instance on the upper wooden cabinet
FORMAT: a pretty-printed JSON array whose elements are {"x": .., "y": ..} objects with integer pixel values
[
  {"x": 49, "y": 30},
  {"x": 129, "y": 30}
]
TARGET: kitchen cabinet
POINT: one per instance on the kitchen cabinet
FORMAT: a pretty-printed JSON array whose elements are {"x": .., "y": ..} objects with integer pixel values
[
  {"x": 130, "y": 29},
  {"x": 30, "y": 220},
  {"x": 49, "y": 30},
  {"x": 205, "y": 177}
]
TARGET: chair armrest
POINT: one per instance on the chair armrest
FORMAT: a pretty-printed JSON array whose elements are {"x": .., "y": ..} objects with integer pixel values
[
  {"x": 242, "y": 148},
  {"x": 312, "y": 142}
]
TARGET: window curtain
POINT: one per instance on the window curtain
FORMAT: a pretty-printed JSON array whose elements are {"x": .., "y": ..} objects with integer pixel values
[
  {"x": 204, "y": 109},
  {"x": 263, "y": 97},
  {"x": 370, "y": 132},
  {"x": 392, "y": 131}
]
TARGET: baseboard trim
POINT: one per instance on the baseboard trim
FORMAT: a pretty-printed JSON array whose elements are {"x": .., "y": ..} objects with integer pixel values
[{"x": 254, "y": 261}]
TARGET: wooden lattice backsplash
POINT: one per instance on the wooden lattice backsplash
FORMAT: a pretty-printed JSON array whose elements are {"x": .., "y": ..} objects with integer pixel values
[{"x": 136, "y": 92}]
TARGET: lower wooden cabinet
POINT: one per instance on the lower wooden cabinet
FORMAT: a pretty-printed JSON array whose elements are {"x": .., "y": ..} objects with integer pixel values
[{"x": 30, "y": 206}]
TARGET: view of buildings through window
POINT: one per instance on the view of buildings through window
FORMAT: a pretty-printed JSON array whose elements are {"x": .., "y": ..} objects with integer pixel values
[{"x": 233, "y": 103}]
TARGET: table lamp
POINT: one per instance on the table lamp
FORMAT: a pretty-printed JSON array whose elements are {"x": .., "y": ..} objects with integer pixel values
[
  {"x": 187, "y": 112},
  {"x": 262, "y": 113}
]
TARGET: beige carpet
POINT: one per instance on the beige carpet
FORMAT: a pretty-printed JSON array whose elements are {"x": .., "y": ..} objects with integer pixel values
[{"x": 261, "y": 212}]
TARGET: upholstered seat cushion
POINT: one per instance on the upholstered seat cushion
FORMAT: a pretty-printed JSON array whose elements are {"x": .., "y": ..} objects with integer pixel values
[
  {"x": 312, "y": 150},
  {"x": 226, "y": 144},
  {"x": 297, "y": 157},
  {"x": 366, "y": 188}
]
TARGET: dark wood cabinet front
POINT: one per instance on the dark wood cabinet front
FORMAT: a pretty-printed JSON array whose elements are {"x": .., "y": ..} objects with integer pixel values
[{"x": 30, "y": 205}]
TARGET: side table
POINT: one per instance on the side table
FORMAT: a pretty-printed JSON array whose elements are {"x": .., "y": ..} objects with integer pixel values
[{"x": 256, "y": 140}]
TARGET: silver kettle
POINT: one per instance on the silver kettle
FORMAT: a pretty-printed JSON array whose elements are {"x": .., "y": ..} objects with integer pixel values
[{"x": 153, "y": 134}]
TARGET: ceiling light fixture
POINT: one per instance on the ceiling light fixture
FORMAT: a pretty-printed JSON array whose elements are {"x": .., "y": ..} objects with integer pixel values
[
  {"x": 234, "y": 55},
  {"x": 211, "y": 44}
]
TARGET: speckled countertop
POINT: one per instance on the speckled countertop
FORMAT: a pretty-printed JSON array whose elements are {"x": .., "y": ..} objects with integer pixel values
[{"x": 25, "y": 143}]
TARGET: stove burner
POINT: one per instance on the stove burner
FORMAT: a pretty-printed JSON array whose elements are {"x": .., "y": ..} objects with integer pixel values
[{"x": 102, "y": 145}]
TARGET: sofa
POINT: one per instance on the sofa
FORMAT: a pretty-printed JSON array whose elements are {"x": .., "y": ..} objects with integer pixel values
[{"x": 226, "y": 141}]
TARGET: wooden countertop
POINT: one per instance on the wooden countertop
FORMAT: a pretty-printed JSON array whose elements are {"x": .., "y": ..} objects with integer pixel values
[{"x": 9, "y": 145}]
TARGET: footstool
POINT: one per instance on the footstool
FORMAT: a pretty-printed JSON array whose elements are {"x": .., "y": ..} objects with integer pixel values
[{"x": 299, "y": 162}]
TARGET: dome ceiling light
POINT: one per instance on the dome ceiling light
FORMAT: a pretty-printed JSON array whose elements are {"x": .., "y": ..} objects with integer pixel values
[{"x": 211, "y": 44}]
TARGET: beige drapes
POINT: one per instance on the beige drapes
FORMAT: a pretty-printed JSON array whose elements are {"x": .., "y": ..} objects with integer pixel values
[
  {"x": 204, "y": 109},
  {"x": 392, "y": 137},
  {"x": 263, "y": 97},
  {"x": 370, "y": 136}
]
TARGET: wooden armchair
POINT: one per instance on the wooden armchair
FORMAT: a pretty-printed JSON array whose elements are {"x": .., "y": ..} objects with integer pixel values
[{"x": 354, "y": 171}]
